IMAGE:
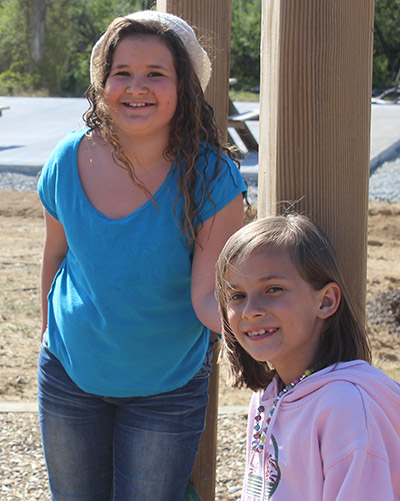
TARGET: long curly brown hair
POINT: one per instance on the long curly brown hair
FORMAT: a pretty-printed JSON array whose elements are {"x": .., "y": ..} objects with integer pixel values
[{"x": 192, "y": 125}]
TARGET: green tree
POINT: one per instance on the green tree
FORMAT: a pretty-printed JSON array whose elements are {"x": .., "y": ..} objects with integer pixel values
[
  {"x": 60, "y": 66},
  {"x": 386, "y": 43},
  {"x": 15, "y": 60},
  {"x": 71, "y": 38},
  {"x": 245, "y": 43}
]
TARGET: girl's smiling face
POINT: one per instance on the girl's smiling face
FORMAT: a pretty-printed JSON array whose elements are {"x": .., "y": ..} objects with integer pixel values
[
  {"x": 274, "y": 313},
  {"x": 141, "y": 89}
]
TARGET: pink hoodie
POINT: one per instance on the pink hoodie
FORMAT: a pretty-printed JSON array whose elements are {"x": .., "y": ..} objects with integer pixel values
[{"x": 334, "y": 436}]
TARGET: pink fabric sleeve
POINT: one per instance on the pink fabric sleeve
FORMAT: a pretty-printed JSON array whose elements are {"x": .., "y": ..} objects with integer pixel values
[{"x": 360, "y": 475}]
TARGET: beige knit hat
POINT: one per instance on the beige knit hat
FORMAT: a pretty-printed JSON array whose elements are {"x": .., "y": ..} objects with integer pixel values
[{"x": 198, "y": 55}]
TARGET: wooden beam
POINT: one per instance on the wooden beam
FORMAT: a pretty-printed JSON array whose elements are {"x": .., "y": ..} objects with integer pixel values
[
  {"x": 211, "y": 21},
  {"x": 316, "y": 78}
]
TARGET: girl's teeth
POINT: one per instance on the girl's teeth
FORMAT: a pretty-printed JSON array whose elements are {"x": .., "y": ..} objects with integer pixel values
[
  {"x": 257, "y": 333},
  {"x": 260, "y": 332},
  {"x": 138, "y": 105}
]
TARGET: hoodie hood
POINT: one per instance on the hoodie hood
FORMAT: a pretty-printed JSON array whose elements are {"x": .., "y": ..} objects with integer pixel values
[
  {"x": 380, "y": 387},
  {"x": 376, "y": 383}
]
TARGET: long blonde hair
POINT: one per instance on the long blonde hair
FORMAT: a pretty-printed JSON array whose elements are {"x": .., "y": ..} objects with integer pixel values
[{"x": 343, "y": 336}]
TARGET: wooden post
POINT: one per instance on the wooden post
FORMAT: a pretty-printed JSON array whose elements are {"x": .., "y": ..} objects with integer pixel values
[
  {"x": 211, "y": 21},
  {"x": 316, "y": 78}
]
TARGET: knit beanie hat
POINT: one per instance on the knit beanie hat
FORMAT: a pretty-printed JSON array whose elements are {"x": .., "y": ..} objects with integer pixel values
[{"x": 198, "y": 55}]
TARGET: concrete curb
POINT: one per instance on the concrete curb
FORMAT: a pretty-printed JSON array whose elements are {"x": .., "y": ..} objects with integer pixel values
[
  {"x": 18, "y": 407},
  {"x": 384, "y": 156}
]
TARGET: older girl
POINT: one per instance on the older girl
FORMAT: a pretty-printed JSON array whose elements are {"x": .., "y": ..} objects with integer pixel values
[{"x": 137, "y": 206}]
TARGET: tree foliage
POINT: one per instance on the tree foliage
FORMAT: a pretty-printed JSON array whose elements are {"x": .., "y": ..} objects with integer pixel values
[
  {"x": 386, "y": 43},
  {"x": 245, "y": 43},
  {"x": 73, "y": 26}
]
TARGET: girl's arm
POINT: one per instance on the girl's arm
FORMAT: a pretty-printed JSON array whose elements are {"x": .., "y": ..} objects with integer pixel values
[
  {"x": 364, "y": 474},
  {"x": 360, "y": 447},
  {"x": 211, "y": 238},
  {"x": 54, "y": 251}
]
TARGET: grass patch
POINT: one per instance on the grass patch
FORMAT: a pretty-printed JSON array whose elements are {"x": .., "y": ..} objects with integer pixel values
[{"x": 244, "y": 95}]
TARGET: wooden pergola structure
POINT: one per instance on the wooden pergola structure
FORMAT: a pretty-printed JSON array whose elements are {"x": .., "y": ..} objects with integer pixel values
[{"x": 316, "y": 78}]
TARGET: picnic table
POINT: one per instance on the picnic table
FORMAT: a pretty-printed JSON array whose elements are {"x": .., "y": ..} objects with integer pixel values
[
  {"x": 238, "y": 122},
  {"x": 2, "y": 108}
]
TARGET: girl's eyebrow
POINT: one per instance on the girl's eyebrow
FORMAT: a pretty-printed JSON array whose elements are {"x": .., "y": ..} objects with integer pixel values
[
  {"x": 272, "y": 277},
  {"x": 152, "y": 66},
  {"x": 267, "y": 278}
]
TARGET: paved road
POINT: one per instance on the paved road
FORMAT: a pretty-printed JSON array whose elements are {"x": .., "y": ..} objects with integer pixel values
[
  {"x": 385, "y": 134},
  {"x": 31, "y": 128}
]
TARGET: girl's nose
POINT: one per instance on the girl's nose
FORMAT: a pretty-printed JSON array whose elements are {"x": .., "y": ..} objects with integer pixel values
[
  {"x": 137, "y": 85},
  {"x": 253, "y": 308}
]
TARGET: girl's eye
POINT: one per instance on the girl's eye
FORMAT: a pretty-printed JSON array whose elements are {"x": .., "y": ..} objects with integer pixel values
[
  {"x": 155, "y": 74},
  {"x": 122, "y": 74},
  {"x": 236, "y": 296},
  {"x": 272, "y": 290}
]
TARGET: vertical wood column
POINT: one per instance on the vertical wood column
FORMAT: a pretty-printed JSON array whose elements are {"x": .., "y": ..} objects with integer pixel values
[
  {"x": 316, "y": 77},
  {"x": 211, "y": 21}
]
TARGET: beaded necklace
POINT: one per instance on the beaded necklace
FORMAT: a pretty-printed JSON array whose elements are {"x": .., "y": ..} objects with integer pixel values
[{"x": 259, "y": 435}]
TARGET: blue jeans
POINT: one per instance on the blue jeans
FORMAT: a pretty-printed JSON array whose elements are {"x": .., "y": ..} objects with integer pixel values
[{"x": 121, "y": 449}]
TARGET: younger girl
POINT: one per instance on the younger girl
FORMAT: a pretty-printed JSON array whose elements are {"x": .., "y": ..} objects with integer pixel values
[
  {"x": 323, "y": 424},
  {"x": 138, "y": 205}
]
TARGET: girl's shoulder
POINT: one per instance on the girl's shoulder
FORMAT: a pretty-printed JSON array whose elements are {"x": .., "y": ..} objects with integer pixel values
[
  {"x": 214, "y": 169},
  {"x": 72, "y": 139},
  {"x": 356, "y": 390},
  {"x": 215, "y": 166},
  {"x": 60, "y": 168},
  {"x": 346, "y": 389},
  {"x": 366, "y": 404},
  {"x": 211, "y": 154},
  {"x": 65, "y": 148},
  {"x": 361, "y": 374}
]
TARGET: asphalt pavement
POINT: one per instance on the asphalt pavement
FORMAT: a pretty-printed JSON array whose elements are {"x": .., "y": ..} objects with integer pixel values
[{"x": 31, "y": 127}]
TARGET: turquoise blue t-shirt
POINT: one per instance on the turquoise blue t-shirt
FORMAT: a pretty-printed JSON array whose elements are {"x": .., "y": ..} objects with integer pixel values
[{"x": 120, "y": 317}]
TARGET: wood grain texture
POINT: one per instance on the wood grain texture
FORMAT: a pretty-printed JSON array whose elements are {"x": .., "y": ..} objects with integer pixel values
[
  {"x": 211, "y": 22},
  {"x": 316, "y": 77}
]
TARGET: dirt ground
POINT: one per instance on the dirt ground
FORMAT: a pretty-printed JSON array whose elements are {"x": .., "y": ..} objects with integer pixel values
[{"x": 21, "y": 230}]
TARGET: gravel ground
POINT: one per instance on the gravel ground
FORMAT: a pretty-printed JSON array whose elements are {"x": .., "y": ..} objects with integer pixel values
[
  {"x": 23, "y": 472},
  {"x": 385, "y": 309},
  {"x": 384, "y": 183},
  {"x": 22, "y": 469},
  {"x": 18, "y": 181}
]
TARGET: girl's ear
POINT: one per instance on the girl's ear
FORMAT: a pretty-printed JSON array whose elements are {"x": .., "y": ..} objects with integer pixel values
[{"x": 330, "y": 300}]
